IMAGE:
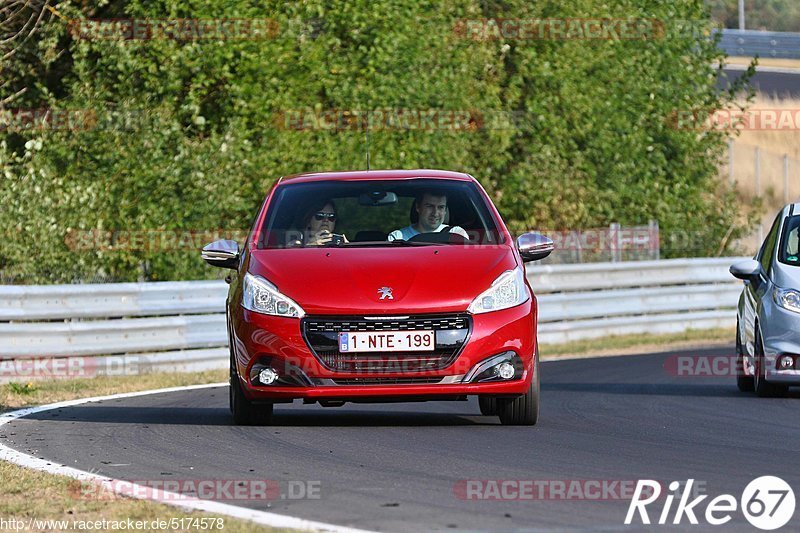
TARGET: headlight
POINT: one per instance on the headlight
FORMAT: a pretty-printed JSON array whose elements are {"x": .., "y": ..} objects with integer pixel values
[
  {"x": 789, "y": 299},
  {"x": 508, "y": 290},
  {"x": 261, "y": 296}
]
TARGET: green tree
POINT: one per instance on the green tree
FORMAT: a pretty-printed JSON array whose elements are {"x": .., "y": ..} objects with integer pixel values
[{"x": 770, "y": 15}]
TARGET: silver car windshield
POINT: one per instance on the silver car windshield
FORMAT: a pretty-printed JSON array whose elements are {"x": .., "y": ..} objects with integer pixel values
[{"x": 789, "y": 252}]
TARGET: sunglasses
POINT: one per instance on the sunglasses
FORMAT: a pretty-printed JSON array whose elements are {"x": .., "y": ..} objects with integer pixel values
[{"x": 323, "y": 216}]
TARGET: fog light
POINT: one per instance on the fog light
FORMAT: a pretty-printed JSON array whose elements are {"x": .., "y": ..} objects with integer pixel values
[
  {"x": 785, "y": 362},
  {"x": 504, "y": 370},
  {"x": 267, "y": 376}
]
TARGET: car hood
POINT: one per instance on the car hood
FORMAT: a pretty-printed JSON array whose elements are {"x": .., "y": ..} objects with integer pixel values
[
  {"x": 786, "y": 276},
  {"x": 425, "y": 279}
]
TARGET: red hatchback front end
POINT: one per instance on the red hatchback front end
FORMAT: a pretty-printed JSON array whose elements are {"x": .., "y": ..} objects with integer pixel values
[{"x": 381, "y": 286}]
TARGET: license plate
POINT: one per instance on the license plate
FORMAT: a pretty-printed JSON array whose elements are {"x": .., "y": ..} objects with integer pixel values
[{"x": 387, "y": 341}]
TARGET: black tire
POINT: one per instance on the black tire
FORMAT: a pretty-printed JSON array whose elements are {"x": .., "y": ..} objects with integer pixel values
[
  {"x": 523, "y": 410},
  {"x": 488, "y": 405},
  {"x": 245, "y": 412},
  {"x": 763, "y": 388},
  {"x": 744, "y": 382}
]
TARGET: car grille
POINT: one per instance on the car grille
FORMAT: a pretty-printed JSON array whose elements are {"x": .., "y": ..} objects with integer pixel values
[{"x": 322, "y": 337}]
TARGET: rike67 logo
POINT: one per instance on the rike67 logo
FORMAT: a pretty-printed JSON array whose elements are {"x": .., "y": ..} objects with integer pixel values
[{"x": 767, "y": 503}]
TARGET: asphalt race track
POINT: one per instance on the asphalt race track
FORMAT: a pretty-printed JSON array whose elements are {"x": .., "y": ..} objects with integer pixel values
[{"x": 398, "y": 467}]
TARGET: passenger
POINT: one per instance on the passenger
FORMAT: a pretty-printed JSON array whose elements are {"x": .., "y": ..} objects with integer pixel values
[
  {"x": 431, "y": 208},
  {"x": 319, "y": 224}
]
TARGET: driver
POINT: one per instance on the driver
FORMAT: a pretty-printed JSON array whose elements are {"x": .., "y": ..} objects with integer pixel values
[{"x": 431, "y": 207}]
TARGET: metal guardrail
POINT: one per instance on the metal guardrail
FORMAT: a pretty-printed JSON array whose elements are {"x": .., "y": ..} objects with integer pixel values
[
  {"x": 588, "y": 301},
  {"x": 181, "y": 325},
  {"x": 171, "y": 326},
  {"x": 44, "y": 302},
  {"x": 749, "y": 43}
]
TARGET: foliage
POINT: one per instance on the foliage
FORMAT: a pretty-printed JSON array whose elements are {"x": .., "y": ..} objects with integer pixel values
[
  {"x": 187, "y": 136},
  {"x": 770, "y": 15},
  {"x": 21, "y": 388}
]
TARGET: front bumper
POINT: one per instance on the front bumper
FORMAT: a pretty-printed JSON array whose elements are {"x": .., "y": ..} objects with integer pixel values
[
  {"x": 780, "y": 330},
  {"x": 257, "y": 338}
]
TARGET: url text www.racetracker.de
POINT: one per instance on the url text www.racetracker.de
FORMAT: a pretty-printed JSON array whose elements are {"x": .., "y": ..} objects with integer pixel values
[{"x": 129, "y": 524}]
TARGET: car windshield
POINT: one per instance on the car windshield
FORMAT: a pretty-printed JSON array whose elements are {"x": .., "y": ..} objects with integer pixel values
[
  {"x": 789, "y": 252},
  {"x": 378, "y": 213}
]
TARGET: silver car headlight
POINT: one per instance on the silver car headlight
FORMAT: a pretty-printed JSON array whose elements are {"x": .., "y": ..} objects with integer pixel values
[
  {"x": 789, "y": 299},
  {"x": 261, "y": 296},
  {"x": 508, "y": 290}
]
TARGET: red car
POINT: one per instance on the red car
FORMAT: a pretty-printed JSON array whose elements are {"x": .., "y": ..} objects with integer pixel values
[{"x": 378, "y": 286}]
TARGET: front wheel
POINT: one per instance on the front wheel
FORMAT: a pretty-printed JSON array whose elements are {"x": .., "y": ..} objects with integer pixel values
[
  {"x": 488, "y": 405},
  {"x": 245, "y": 412},
  {"x": 523, "y": 410}
]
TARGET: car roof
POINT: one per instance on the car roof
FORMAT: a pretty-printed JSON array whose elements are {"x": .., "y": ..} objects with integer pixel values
[{"x": 354, "y": 175}]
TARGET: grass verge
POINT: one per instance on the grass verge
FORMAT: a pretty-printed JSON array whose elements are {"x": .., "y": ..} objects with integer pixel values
[
  {"x": 28, "y": 495},
  {"x": 26, "y": 393},
  {"x": 46, "y": 502}
]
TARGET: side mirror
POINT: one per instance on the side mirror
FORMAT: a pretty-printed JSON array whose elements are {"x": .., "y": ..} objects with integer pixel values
[
  {"x": 747, "y": 270},
  {"x": 223, "y": 253},
  {"x": 534, "y": 246}
]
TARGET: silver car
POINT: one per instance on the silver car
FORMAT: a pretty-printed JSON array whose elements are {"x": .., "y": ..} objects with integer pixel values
[{"x": 768, "y": 318}]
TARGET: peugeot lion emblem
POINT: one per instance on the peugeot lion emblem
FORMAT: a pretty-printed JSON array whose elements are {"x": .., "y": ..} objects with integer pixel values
[{"x": 386, "y": 293}]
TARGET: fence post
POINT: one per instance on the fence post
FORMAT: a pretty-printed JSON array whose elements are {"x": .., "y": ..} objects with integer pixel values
[
  {"x": 730, "y": 160},
  {"x": 785, "y": 178},
  {"x": 758, "y": 171},
  {"x": 655, "y": 239},
  {"x": 741, "y": 14},
  {"x": 616, "y": 251},
  {"x": 758, "y": 192}
]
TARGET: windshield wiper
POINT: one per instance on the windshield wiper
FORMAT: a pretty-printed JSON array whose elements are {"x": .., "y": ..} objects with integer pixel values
[
  {"x": 402, "y": 242},
  {"x": 396, "y": 242}
]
